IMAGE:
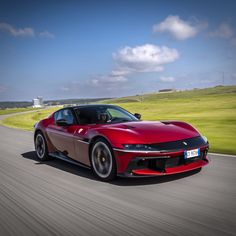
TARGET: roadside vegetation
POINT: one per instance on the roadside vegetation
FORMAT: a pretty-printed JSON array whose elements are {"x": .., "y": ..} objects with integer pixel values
[
  {"x": 27, "y": 121},
  {"x": 15, "y": 110},
  {"x": 212, "y": 111}
]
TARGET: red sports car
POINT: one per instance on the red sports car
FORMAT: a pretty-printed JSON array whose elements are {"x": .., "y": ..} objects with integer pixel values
[{"x": 111, "y": 141}]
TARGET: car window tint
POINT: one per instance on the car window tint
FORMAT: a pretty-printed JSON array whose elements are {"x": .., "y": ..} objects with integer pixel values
[
  {"x": 68, "y": 116},
  {"x": 116, "y": 113},
  {"x": 87, "y": 115},
  {"x": 93, "y": 114},
  {"x": 65, "y": 114},
  {"x": 58, "y": 115}
]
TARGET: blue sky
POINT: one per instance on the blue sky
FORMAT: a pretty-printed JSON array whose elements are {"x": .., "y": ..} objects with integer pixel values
[{"x": 82, "y": 49}]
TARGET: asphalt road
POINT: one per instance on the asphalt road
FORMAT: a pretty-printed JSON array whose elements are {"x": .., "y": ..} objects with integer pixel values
[{"x": 57, "y": 198}]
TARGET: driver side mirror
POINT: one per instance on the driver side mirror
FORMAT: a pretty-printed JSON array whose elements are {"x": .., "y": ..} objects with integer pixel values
[
  {"x": 137, "y": 115},
  {"x": 62, "y": 122}
]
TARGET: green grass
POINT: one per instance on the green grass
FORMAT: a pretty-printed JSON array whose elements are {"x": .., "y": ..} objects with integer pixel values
[
  {"x": 15, "y": 110},
  {"x": 212, "y": 111},
  {"x": 28, "y": 120}
]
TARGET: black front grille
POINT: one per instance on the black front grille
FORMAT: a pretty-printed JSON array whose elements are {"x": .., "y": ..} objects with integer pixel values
[
  {"x": 172, "y": 162},
  {"x": 161, "y": 164},
  {"x": 180, "y": 144}
]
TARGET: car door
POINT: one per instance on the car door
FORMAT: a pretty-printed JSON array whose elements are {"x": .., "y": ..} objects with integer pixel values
[
  {"x": 86, "y": 118},
  {"x": 62, "y": 137}
]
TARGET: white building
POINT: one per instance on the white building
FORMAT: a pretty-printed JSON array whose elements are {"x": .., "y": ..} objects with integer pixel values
[{"x": 38, "y": 102}]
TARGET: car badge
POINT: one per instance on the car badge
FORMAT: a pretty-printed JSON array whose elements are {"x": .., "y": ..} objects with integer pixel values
[{"x": 185, "y": 143}]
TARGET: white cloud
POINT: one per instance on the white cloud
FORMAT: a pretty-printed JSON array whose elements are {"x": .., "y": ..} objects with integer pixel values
[
  {"x": 179, "y": 28},
  {"x": 223, "y": 31},
  {"x": 20, "y": 32},
  {"x": 46, "y": 34},
  {"x": 107, "y": 80},
  {"x": 140, "y": 59},
  {"x": 167, "y": 78},
  {"x": 120, "y": 72},
  {"x": 97, "y": 84},
  {"x": 24, "y": 32},
  {"x": 144, "y": 58},
  {"x": 101, "y": 86}
]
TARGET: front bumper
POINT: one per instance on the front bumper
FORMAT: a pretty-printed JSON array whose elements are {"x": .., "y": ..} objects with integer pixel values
[{"x": 133, "y": 164}]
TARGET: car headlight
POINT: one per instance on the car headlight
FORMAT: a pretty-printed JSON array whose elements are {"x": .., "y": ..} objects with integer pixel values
[{"x": 138, "y": 147}]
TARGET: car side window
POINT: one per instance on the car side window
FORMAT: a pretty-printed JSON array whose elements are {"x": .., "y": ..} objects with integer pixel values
[
  {"x": 58, "y": 115},
  {"x": 86, "y": 116},
  {"x": 116, "y": 113},
  {"x": 65, "y": 114}
]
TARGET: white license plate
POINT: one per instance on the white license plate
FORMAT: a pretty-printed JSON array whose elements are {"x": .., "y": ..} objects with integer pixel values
[{"x": 192, "y": 153}]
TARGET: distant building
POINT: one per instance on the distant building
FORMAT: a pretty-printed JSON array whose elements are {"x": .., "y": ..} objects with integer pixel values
[{"x": 38, "y": 102}]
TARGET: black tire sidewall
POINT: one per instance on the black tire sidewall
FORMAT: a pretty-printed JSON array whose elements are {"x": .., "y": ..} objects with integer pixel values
[
  {"x": 45, "y": 156},
  {"x": 113, "y": 173}
]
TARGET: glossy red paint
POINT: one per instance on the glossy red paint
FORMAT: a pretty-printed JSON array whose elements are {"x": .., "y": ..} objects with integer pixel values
[
  {"x": 124, "y": 158},
  {"x": 146, "y": 132},
  {"x": 75, "y": 141},
  {"x": 173, "y": 170}
]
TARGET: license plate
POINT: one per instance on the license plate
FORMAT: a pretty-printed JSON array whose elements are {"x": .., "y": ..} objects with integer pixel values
[{"x": 192, "y": 153}]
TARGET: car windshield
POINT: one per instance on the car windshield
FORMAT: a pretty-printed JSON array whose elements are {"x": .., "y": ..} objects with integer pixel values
[{"x": 103, "y": 114}]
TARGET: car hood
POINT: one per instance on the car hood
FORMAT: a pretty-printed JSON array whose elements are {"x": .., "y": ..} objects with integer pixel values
[{"x": 150, "y": 132}]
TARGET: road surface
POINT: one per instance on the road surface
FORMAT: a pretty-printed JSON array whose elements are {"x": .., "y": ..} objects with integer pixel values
[{"x": 57, "y": 198}]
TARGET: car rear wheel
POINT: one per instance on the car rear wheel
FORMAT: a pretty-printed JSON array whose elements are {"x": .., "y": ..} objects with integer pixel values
[
  {"x": 103, "y": 161},
  {"x": 41, "y": 147}
]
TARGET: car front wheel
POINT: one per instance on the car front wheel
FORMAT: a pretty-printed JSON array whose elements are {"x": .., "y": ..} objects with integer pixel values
[
  {"x": 41, "y": 147},
  {"x": 103, "y": 161}
]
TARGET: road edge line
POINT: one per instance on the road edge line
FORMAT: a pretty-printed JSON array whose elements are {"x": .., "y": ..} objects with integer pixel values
[{"x": 221, "y": 154}]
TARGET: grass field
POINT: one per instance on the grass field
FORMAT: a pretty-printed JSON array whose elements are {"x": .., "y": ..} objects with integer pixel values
[
  {"x": 27, "y": 121},
  {"x": 212, "y": 111},
  {"x": 15, "y": 110}
]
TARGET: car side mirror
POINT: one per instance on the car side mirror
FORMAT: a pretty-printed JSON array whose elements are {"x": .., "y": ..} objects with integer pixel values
[
  {"x": 62, "y": 122},
  {"x": 137, "y": 115}
]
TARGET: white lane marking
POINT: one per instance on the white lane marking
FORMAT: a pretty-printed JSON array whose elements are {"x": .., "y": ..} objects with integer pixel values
[{"x": 221, "y": 154}]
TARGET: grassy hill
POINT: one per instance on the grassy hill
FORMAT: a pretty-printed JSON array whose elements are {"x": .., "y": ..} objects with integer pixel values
[{"x": 212, "y": 111}]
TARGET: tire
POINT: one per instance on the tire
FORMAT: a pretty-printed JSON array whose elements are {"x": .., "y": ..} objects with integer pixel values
[
  {"x": 102, "y": 160},
  {"x": 41, "y": 147}
]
